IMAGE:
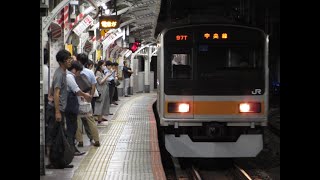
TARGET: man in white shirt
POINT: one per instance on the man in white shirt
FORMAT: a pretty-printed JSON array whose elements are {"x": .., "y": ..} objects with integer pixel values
[{"x": 89, "y": 121}]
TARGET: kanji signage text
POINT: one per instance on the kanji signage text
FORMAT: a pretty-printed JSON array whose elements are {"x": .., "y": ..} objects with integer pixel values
[{"x": 109, "y": 22}]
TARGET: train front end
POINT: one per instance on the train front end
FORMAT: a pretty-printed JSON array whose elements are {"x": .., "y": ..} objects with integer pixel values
[{"x": 213, "y": 90}]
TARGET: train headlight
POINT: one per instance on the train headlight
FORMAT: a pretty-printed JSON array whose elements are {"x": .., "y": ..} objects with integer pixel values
[
  {"x": 178, "y": 107},
  {"x": 250, "y": 107},
  {"x": 183, "y": 107}
]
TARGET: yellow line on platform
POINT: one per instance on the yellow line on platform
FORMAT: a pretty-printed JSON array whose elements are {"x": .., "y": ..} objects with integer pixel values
[{"x": 94, "y": 166}]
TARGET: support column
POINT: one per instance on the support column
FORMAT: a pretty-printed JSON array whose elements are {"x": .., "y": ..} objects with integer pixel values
[
  {"x": 42, "y": 123},
  {"x": 79, "y": 48},
  {"x": 107, "y": 53},
  {"x": 147, "y": 61}
]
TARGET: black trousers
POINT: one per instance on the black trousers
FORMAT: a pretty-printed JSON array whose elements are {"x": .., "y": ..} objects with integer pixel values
[
  {"x": 72, "y": 125},
  {"x": 93, "y": 102},
  {"x": 115, "y": 95},
  {"x": 111, "y": 91}
]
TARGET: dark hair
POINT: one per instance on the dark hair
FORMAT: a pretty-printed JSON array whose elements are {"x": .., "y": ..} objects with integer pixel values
[
  {"x": 108, "y": 63},
  {"x": 89, "y": 63},
  {"x": 115, "y": 64},
  {"x": 76, "y": 65},
  {"x": 62, "y": 55},
  {"x": 98, "y": 68},
  {"x": 83, "y": 58}
]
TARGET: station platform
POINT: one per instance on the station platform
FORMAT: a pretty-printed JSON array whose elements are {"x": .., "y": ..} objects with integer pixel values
[{"x": 129, "y": 146}]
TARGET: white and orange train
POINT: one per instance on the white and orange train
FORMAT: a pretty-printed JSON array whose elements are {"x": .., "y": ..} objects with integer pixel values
[{"x": 212, "y": 98}]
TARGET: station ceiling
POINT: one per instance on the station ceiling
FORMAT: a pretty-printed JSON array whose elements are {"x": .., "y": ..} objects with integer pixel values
[
  {"x": 149, "y": 17},
  {"x": 141, "y": 15}
]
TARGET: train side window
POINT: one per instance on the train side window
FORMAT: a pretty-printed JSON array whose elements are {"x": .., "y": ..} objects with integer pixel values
[{"x": 181, "y": 66}]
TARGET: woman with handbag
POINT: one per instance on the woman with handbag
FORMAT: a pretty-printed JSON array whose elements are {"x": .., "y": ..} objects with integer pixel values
[{"x": 102, "y": 106}]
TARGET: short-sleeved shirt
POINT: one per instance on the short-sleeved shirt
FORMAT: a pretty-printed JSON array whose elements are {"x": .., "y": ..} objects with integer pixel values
[
  {"x": 126, "y": 73},
  {"x": 90, "y": 75},
  {"x": 110, "y": 78},
  {"x": 71, "y": 82},
  {"x": 59, "y": 80}
]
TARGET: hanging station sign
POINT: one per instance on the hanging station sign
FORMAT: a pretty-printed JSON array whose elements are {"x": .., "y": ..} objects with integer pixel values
[{"x": 109, "y": 22}]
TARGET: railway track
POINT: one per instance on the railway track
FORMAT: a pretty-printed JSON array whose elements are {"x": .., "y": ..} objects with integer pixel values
[
  {"x": 273, "y": 129},
  {"x": 194, "y": 174},
  {"x": 234, "y": 172},
  {"x": 274, "y": 117}
]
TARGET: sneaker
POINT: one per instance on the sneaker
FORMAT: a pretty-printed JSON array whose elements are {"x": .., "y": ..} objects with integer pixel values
[
  {"x": 126, "y": 96},
  {"x": 80, "y": 144},
  {"x": 96, "y": 144}
]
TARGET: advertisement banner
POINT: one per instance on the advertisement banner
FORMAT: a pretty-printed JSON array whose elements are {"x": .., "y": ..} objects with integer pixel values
[
  {"x": 86, "y": 22},
  {"x": 98, "y": 54}
]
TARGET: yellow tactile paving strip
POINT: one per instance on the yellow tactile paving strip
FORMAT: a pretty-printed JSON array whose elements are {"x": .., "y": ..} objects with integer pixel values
[
  {"x": 95, "y": 164},
  {"x": 122, "y": 136}
]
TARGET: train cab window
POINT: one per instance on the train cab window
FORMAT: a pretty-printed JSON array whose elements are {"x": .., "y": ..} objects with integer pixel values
[
  {"x": 242, "y": 58},
  {"x": 181, "y": 66},
  {"x": 213, "y": 61}
]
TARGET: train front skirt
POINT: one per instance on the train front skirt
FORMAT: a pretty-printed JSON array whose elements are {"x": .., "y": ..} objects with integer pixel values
[{"x": 248, "y": 145}]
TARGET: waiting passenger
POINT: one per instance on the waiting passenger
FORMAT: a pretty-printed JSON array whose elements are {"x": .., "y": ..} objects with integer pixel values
[
  {"x": 126, "y": 71},
  {"x": 111, "y": 80},
  {"x": 116, "y": 79},
  {"x": 88, "y": 121},
  {"x": 71, "y": 115},
  {"x": 103, "y": 101},
  {"x": 90, "y": 65},
  {"x": 59, "y": 93}
]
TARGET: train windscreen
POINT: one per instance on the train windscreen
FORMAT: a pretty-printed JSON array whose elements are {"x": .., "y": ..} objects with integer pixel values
[{"x": 200, "y": 67}]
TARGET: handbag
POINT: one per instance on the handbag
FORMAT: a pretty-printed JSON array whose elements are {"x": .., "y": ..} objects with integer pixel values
[
  {"x": 85, "y": 108},
  {"x": 72, "y": 103},
  {"x": 112, "y": 83},
  {"x": 83, "y": 83},
  {"x": 99, "y": 91},
  {"x": 117, "y": 83},
  {"x": 68, "y": 153},
  {"x": 61, "y": 153}
]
